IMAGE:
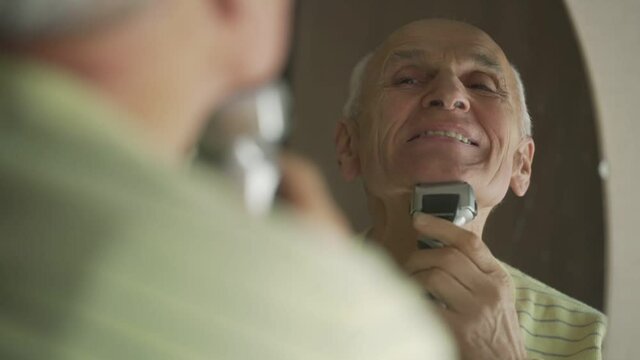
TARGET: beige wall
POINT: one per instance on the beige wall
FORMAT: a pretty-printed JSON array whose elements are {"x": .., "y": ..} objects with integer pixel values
[{"x": 610, "y": 35}]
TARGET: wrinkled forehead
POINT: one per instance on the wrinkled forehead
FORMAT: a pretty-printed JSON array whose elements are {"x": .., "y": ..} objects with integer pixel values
[{"x": 434, "y": 41}]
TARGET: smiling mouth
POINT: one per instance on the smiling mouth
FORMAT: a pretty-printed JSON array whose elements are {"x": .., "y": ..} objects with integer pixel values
[{"x": 447, "y": 134}]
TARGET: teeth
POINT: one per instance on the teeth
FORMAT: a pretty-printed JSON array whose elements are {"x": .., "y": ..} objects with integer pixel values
[{"x": 451, "y": 134}]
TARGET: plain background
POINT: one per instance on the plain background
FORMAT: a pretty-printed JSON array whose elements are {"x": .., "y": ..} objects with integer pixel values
[{"x": 610, "y": 35}]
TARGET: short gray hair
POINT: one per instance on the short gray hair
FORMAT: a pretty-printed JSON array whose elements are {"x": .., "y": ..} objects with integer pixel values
[
  {"x": 526, "y": 126},
  {"x": 353, "y": 107},
  {"x": 32, "y": 19}
]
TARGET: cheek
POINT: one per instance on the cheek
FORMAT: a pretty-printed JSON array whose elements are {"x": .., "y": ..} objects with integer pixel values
[
  {"x": 498, "y": 125},
  {"x": 378, "y": 142},
  {"x": 397, "y": 105},
  {"x": 501, "y": 130},
  {"x": 268, "y": 54},
  {"x": 395, "y": 109}
]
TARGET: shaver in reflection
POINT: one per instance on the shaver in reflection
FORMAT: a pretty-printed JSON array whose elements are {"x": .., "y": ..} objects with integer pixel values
[
  {"x": 244, "y": 138},
  {"x": 453, "y": 201}
]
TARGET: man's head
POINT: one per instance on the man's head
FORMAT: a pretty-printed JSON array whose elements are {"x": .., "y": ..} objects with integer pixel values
[
  {"x": 168, "y": 62},
  {"x": 437, "y": 101}
]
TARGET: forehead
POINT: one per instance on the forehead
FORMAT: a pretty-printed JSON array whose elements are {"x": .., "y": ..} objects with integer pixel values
[{"x": 441, "y": 41}]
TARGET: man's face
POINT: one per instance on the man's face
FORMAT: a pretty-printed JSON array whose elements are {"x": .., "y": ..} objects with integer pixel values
[{"x": 439, "y": 104}]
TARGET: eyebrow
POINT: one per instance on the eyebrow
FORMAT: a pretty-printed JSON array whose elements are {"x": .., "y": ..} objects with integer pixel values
[
  {"x": 480, "y": 58},
  {"x": 403, "y": 55},
  {"x": 409, "y": 54},
  {"x": 487, "y": 61}
]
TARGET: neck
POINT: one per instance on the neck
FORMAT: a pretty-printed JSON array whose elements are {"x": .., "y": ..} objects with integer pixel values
[{"x": 393, "y": 226}]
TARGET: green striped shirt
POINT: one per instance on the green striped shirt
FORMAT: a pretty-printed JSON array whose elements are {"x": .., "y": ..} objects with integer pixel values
[{"x": 554, "y": 325}]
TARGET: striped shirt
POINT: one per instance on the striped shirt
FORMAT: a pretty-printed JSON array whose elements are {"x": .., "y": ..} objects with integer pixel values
[{"x": 554, "y": 325}]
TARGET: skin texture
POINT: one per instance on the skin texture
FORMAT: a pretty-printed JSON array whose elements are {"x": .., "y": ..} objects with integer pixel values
[{"x": 442, "y": 75}]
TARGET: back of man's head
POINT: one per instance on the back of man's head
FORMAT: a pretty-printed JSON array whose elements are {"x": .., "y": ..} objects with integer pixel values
[
  {"x": 23, "y": 20},
  {"x": 169, "y": 63}
]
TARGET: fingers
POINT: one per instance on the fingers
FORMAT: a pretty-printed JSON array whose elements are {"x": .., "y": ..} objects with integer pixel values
[
  {"x": 463, "y": 240},
  {"x": 303, "y": 187},
  {"x": 477, "y": 291},
  {"x": 452, "y": 261},
  {"x": 445, "y": 289}
]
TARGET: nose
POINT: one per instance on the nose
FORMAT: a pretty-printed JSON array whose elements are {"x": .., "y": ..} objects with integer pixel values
[{"x": 446, "y": 91}]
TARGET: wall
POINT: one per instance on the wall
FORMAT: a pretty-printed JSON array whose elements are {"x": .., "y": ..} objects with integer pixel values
[{"x": 610, "y": 36}]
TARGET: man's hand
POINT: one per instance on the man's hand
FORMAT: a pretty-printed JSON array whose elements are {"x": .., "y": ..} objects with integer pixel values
[
  {"x": 304, "y": 189},
  {"x": 475, "y": 292}
]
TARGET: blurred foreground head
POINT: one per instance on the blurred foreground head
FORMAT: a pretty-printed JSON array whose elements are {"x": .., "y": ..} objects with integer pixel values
[{"x": 169, "y": 63}]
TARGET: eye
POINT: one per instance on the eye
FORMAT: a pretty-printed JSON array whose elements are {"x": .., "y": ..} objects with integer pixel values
[
  {"x": 482, "y": 87},
  {"x": 480, "y": 81},
  {"x": 408, "y": 75},
  {"x": 407, "y": 81}
]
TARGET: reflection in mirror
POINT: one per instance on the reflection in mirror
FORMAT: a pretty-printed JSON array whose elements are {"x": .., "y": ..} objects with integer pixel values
[{"x": 554, "y": 233}]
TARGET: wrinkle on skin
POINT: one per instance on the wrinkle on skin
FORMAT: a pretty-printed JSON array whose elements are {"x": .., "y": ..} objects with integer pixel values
[
  {"x": 448, "y": 53},
  {"x": 417, "y": 57},
  {"x": 379, "y": 141}
]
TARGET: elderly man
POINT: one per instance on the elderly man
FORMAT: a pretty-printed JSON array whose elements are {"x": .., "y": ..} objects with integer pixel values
[
  {"x": 438, "y": 101},
  {"x": 113, "y": 249}
]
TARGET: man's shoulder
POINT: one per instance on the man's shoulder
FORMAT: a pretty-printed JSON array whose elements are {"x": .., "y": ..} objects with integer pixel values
[
  {"x": 555, "y": 324},
  {"x": 531, "y": 292}
]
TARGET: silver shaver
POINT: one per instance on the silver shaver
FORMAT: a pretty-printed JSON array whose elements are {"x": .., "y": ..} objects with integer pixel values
[{"x": 453, "y": 201}]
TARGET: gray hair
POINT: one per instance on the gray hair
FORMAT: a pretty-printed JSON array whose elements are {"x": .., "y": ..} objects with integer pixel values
[
  {"x": 526, "y": 126},
  {"x": 32, "y": 19},
  {"x": 353, "y": 107}
]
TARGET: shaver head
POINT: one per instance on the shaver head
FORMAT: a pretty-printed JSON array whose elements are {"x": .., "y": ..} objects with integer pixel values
[{"x": 453, "y": 201}]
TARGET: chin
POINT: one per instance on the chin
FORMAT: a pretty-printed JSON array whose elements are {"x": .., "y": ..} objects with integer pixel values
[
  {"x": 435, "y": 172},
  {"x": 430, "y": 179}
]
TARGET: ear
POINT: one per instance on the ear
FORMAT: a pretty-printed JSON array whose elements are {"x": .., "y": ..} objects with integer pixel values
[
  {"x": 522, "y": 163},
  {"x": 347, "y": 150}
]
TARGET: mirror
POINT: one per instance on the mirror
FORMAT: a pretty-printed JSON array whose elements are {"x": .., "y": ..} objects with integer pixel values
[{"x": 556, "y": 232}]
